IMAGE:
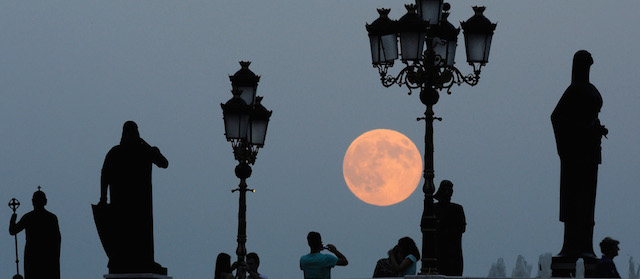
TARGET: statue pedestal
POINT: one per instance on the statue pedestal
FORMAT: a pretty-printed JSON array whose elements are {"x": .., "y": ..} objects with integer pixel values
[
  {"x": 136, "y": 276},
  {"x": 566, "y": 266}
]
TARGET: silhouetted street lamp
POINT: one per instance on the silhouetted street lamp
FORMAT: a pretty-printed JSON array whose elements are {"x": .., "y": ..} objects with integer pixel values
[
  {"x": 245, "y": 125},
  {"x": 430, "y": 70}
]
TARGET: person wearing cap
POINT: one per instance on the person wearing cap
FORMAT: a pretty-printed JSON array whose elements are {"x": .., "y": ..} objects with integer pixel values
[
  {"x": 42, "y": 234},
  {"x": 606, "y": 268}
]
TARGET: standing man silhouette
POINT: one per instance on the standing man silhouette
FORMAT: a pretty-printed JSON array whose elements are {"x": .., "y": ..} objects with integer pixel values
[
  {"x": 451, "y": 225},
  {"x": 42, "y": 234},
  {"x": 578, "y": 136},
  {"x": 126, "y": 173}
]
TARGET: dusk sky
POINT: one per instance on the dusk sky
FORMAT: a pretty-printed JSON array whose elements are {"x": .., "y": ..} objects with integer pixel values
[{"x": 72, "y": 72}]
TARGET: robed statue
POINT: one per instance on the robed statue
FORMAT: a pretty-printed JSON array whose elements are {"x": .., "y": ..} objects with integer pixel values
[
  {"x": 42, "y": 234},
  {"x": 125, "y": 224},
  {"x": 578, "y": 134}
]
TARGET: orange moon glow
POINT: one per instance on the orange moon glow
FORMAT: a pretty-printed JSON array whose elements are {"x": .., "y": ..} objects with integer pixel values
[{"x": 382, "y": 167}]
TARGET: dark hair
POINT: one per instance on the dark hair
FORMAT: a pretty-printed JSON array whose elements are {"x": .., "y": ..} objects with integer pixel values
[
  {"x": 254, "y": 256},
  {"x": 444, "y": 191},
  {"x": 314, "y": 239},
  {"x": 408, "y": 246},
  {"x": 608, "y": 243},
  {"x": 223, "y": 264}
]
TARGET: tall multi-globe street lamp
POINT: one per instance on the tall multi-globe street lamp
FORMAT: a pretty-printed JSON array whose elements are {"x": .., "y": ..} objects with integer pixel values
[
  {"x": 429, "y": 70},
  {"x": 245, "y": 126}
]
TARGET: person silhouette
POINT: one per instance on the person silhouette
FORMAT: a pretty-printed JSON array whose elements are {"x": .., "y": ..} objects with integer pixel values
[
  {"x": 250, "y": 267},
  {"x": 316, "y": 265},
  {"x": 126, "y": 173},
  {"x": 403, "y": 258},
  {"x": 223, "y": 267},
  {"x": 606, "y": 268},
  {"x": 451, "y": 225},
  {"x": 578, "y": 135},
  {"x": 42, "y": 234}
]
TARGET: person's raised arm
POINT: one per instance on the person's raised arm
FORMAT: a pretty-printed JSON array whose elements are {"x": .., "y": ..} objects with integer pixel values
[
  {"x": 342, "y": 260},
  {"x": 159, "y": 159},
  {"x": 398, "y": 266}
]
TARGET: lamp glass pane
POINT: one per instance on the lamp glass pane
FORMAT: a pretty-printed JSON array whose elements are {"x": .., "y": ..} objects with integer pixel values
[
  {"x": 376, "y": 47},
  {"x": 412, "y": 45},
  {"x": 258, "y": 132},
  {"x": 236, "y": 125},
  {"x": 451, "y": 53},
  {"x": 430, "y": 10},
  {"x": 384, "y": 49},
  {"x": 477, "y": 46},
  {"x": 248, "y": 94},
  {"x": 440, "y": 49}
]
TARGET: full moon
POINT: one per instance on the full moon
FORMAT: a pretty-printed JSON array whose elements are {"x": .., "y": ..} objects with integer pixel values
[{"x": 382, "y": 167}]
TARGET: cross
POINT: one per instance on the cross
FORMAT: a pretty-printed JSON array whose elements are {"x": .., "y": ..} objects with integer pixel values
[
  {"x": 14, "y": 204},
  {"x": 39, "y": 188}
]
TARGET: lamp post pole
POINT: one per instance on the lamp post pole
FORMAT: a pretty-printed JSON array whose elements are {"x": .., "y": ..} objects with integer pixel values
[
  {"x": 431, "y": 70},
  {"x": 243, "y": 171},
  {"x": 245, "y": 124},
  {"x": 428, "y": 221}
]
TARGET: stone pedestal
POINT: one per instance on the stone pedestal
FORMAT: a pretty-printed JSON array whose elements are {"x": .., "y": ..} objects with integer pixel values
[
  {"x": 136, "y": 276},
  {"x": 562, "y": 266}
]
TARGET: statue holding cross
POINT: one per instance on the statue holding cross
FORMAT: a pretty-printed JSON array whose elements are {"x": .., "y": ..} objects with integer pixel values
[{"x": 42, "y": 247}]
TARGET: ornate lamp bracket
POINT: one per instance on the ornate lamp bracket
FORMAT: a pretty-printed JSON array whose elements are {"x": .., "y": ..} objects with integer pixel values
[{"x": 454, "y": 76}]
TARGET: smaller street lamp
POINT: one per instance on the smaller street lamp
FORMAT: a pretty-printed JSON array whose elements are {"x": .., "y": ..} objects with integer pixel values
[{"x": 245, "y": 125}]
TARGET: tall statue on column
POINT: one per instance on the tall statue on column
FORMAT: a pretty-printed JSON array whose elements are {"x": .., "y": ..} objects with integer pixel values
[
  {"x": 125, "y": 225},
  {"x": 578, "y": 134}
]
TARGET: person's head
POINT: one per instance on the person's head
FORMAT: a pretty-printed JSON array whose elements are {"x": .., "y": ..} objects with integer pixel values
[
  {"x": 397, "y": 254},
  {"x": 609, "y": 247},
  {"x": 223, "y": 264},
  {"x": 253, "y": 261},
  {"x": 445, "y": 191},
  {"x": 315, "y": 241},
  {"x": 130, "y": 133},
  {"x": 582, "y": 62},
  {"x": 39, "y": 199},
  {"x": 407, "y": 246}
]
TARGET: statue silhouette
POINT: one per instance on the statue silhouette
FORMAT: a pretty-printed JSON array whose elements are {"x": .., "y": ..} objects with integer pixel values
[
  {"x": 42, "y": 247},
  {"x": 578, "y": 136},
  {"x": 125, "y": 225},
  {"x": 451, "y": 225}
]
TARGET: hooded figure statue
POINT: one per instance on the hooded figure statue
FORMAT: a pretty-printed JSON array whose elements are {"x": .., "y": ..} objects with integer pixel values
[
  {"x": 578, "y": 134},
  {"x": 125, "y": 225}
]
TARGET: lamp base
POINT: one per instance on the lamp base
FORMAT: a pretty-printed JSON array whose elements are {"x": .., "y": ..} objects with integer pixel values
[{"x": 565, "y": 266}]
